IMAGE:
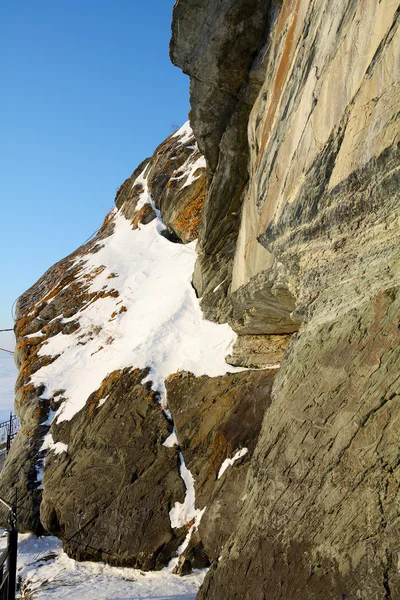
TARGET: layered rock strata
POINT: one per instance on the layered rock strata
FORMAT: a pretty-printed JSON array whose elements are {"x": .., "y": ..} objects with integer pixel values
[
  {"x": 55, "y": 306},
  {"x": 295, "y": 472},
  {"x": 320, "y": 222}
]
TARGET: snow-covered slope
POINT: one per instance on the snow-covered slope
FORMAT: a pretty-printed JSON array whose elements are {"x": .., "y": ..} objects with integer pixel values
[
  {"x": 152, "y": 319},
  {"x": 97, "y": 337},
  {"x": 46, "y": 573}
]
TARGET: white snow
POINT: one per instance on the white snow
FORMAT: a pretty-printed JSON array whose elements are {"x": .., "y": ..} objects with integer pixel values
[
  {"x": 185, "y": 133},
  {"x": 185, "y": 512},
  {"x": 228, "y": 462},
  {"x": 49, "y": 574},
  {"x": 145, "y": 196},
  {"x": 49, "y": 443},
  {"x": 218, "y": 286},
  {"x": 171, "y": 440},
  {"x": 188, "y": 170},
  {"x": 200, "y": 163},
  {"x": 162, "y": 328}
]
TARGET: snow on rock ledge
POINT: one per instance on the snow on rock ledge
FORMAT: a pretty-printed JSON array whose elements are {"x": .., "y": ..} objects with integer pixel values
[{"x": 97, "y": 336}]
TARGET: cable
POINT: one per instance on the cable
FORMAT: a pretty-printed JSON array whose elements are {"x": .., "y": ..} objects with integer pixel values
[
  {"x": 6, "y": 329},
  {"x": 9, "y": 351}
]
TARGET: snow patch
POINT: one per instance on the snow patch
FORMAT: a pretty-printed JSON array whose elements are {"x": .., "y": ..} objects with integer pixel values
[
  {"x": 188, "y": 170},
  {"x": 50, "y": 444},
  {"x": 185, "y": 133},
  {"x": 185, "y": 512},
  {"x": 49, "y": 573},
  {"x": 171, "y": 440},
  {"x": 145, "y": 197},
  {"x": 228, "y": 462},
  {"x": 162, "y": 327}
]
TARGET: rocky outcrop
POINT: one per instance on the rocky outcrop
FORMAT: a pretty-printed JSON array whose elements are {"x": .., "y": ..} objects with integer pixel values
[
  {"x": 175, "y": 177},
  {"x": 107, "y": 495},
  {"x": 319, "y": 244},
  {"x": 221, "y": 47},
  {"x": 55, "y": 306},
  {"x": 217, "y": 420},
  {"x": 291, "y": 471},
  {"x": 258, "y": 351}
]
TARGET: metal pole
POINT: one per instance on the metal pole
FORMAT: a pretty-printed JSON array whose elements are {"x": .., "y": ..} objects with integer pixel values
[
  {"x": 9, "y": 435},
  {"x": 12, "y": 540},
  {"x": 12, "y": 563}
]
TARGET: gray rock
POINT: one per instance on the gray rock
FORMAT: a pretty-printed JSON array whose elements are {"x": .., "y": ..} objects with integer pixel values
[
  {"x": 108, "y": 496},
  {"x": 258, "y": 351},
  {"x": 214, "y": 418},
  {"x": 321, "y": 519},
  {"x": 217, "y": 44}
]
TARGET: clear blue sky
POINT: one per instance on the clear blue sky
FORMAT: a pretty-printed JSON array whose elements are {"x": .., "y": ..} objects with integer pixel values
[{"x": 87, "y": 92}]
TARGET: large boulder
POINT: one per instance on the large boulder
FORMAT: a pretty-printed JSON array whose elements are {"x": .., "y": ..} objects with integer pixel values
[
  {"x": 217, "y": 421},
  {"x": 321, "y": 518},
  {"x": 107, "y": 493}
]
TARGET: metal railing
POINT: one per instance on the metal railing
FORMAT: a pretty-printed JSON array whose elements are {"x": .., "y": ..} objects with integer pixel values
[
  {"x": 8, "y": 559},
  {"x": 8, "y": 431}
]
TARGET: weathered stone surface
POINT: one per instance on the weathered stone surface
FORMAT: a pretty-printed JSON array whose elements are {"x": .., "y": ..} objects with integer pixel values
[
  {"x": 214, "y": 418},
  {"x": 194, "y": 557},
  {"x": 108, "y": 496},
  {"x": 322, "y": 515},
  {"x": 264, "y": 306},
  {"x": 177, "y": 181},
  {"x": 40, "y": 311},
  {"x": 258, "y": 351},
  {"x": 321, "y": 519},
  {"x": 217, "y": 44},
  {"x": 51, "y": 306}
]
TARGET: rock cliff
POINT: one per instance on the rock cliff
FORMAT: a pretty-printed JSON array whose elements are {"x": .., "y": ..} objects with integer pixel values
[
  {"x": 279, "y": 467},
  {"x": 317, "y": 251}
]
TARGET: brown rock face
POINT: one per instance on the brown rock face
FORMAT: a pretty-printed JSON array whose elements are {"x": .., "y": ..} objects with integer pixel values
[
  {"x": 321, "y": 218},
  {"x": 108, "y": 496},
  {"x": 40, "y": 310},
  {"x": 177, "y": 180},
  {"x": 176, "y": 177},
  {"x": 216, "y": 417},
  {"x": 258, "y": 351},
  {"x": 220, "y": 46}
]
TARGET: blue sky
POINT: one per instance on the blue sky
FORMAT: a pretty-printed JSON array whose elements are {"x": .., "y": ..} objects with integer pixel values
[{"x": 87, "y": 92}]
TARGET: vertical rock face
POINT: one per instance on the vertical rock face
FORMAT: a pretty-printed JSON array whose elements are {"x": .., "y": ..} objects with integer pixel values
[
  {"x": 292, "y": 471},
  {"x": 218, "y": 420},
  {"x": 318, "y": 247},
  {"x": 220, "y": 45},
  {"x": 123, "y": 439},
  {"x": 107, "y": 492}
]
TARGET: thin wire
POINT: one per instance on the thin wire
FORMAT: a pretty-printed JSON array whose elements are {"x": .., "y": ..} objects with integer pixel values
[
  {"x": 6, "y": 329},
  {"x": 9, "y": 351}
]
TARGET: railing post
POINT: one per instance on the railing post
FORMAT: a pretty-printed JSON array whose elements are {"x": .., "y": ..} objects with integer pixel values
[
  {"x": 12, "y": 563},
  {"x": 12, "y": 542}
]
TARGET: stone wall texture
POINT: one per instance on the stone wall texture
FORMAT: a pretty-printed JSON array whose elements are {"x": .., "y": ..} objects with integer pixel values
[
  {"x": 295, "y": 107},
  {"x": 318, "y": 252}
]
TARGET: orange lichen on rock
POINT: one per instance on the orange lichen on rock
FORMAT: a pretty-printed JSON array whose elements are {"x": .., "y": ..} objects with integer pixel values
[
  {"x": 105, "y": 388},
  {"x": 188, "y": 220},
  {"x": 143, "y": 216}
]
